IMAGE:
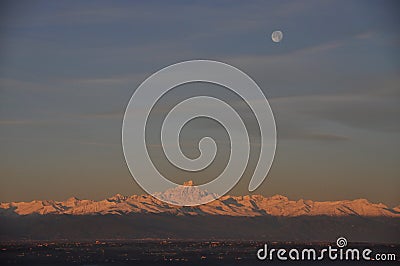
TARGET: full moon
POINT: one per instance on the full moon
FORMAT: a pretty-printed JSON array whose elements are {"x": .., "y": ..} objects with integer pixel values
[{"x": 277, "y": 36}]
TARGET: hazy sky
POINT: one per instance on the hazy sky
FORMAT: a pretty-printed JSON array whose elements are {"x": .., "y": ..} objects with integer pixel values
[{"x": 68, "y": 69}]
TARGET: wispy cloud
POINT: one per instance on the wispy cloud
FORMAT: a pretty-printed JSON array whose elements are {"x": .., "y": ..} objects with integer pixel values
[
  {"x": 98, "y": 143},
  {"x": 325, "y": 137},
  {"x": 346, "y": 109},
  {"x": 291, "y": 55},
  {"x": 365, "y": 35},
  {"x": 115, "y": 114},
  {"x": 20, "y": 122}
]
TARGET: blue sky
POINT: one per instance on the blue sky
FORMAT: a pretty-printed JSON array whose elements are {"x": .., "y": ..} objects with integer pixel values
[{"x": 68, "y": 69}]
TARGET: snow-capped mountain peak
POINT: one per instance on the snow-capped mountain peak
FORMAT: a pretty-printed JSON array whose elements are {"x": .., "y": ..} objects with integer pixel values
[{"x": 185, "y": 194}]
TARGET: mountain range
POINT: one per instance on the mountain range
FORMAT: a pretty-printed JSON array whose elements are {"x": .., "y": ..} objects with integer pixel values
[
  {"x": 251, "y": 217},
  {"x": 243, "y": 206}
]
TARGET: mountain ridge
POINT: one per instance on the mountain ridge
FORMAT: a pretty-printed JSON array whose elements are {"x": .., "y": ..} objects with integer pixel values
[{"x": 249, "y": 205}]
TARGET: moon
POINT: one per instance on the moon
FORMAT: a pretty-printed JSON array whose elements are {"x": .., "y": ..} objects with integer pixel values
[{"x": 277, "y": 36}]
